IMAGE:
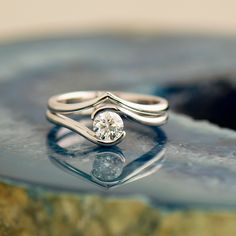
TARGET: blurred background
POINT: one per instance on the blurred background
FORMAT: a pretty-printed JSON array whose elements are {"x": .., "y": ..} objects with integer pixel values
[
  {"x": 183, "y": 50},
  {"x": 26, "y": 17}
]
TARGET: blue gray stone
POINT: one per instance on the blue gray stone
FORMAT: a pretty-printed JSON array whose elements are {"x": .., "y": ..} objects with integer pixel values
[{"x": 199, "y": 166}]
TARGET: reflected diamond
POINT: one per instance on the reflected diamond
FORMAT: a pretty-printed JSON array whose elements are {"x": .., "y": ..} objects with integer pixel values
[{"x": 108, "y": 166}]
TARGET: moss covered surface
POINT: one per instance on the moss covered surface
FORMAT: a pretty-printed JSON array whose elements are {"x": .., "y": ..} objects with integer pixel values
[{"x": 25, "y": 214}]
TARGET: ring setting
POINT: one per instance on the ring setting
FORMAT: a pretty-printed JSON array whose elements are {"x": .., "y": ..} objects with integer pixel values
[
  {"x": 108, "y": 126},
  {"x": 107, "y": 111}
]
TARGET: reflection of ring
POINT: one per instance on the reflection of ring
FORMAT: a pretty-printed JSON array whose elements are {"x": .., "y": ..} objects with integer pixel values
[
  {"x": 105, "y": 109},
  {"x": 106, "y": 167}
]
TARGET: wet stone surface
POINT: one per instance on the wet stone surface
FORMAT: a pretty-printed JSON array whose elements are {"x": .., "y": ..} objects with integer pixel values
[{"x": 199, "y": 165}]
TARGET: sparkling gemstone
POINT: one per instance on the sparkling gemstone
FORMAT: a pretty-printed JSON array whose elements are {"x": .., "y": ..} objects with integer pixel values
[
  {"x": 108, "y": 166},
  {"x": 108, "y": 126}
]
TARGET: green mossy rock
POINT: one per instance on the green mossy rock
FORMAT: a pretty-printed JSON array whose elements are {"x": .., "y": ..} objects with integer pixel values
[{"x": 25, "y": 212}]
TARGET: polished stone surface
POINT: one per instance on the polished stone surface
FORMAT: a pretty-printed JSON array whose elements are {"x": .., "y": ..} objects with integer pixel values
[
  {"x": 199, "y": 166},
  {"x": 108, "y": 167}
]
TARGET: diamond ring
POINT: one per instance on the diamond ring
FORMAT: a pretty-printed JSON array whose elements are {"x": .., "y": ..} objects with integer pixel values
[{"x": 106, "y": 110}]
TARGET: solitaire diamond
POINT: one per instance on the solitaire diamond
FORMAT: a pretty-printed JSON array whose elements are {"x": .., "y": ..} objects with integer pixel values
[{"x": 108, "y": 126}]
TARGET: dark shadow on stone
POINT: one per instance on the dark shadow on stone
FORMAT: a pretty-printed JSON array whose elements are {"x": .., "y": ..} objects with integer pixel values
[{"x": 210, "y": 99}]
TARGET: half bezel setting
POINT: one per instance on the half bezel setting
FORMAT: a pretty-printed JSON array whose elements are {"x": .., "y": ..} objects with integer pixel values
[
  {"x": 108, "y": 126},
  {"x": 106, "y": 109}
]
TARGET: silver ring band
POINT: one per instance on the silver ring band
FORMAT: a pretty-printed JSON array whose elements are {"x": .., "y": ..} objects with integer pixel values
[{"x": 104, "y": 108}]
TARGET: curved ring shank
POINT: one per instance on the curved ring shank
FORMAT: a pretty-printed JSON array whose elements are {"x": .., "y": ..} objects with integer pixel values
[
  {"x": 85, "y": 102},
  {"x": 148, "y": 110},
  {"x": 75, "y": 126}
]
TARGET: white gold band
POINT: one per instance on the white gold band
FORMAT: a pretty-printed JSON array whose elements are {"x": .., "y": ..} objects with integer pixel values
[{"x": 145, "y": 109}]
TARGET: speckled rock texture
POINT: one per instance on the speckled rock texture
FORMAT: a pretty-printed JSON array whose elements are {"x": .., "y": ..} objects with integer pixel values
[{"x": 24, "y": 213}]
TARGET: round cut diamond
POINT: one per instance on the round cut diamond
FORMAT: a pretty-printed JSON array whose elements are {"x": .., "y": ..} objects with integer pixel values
[{"x": 108, "y": 126}]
